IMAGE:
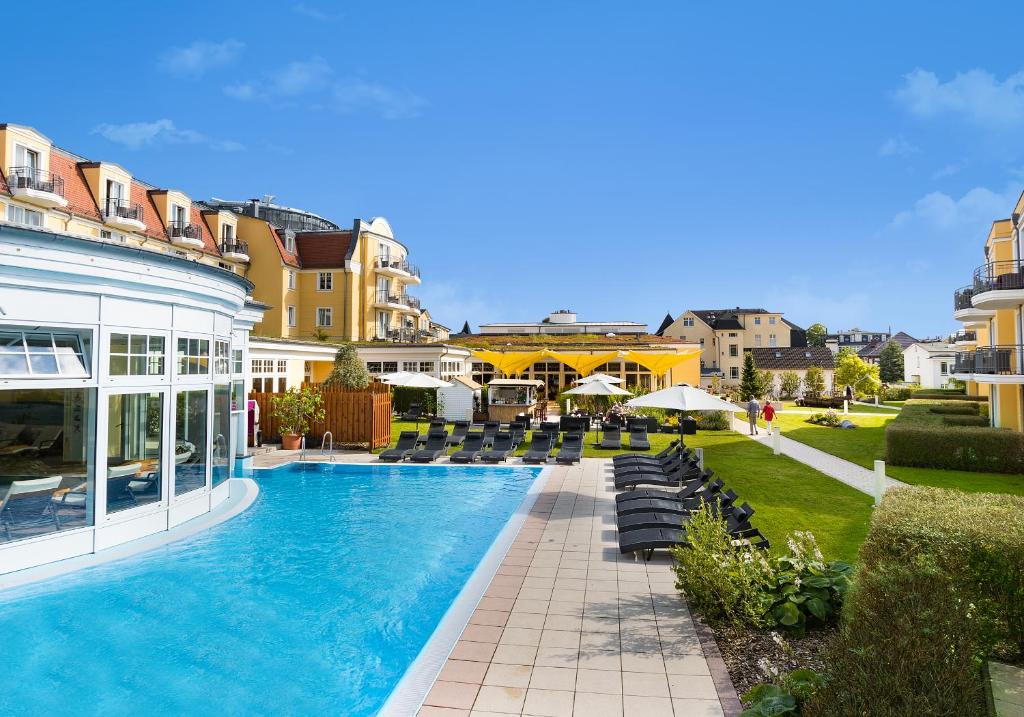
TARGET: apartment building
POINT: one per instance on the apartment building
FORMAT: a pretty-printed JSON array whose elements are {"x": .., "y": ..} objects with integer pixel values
[
  {"x": 991, "y": 309},
  {"x": 856, "y": 339},
  {"x": 724, "y": 334}
]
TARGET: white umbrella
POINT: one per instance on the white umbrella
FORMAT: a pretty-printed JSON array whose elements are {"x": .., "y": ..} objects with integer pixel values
[
  {"x": 682, "y": 398},
  {"x": 603, "y": 377},
  {"x": 389, "y": 377},
  {"x": 597, "y": 388},
  {"x": 406, "y": 379}
]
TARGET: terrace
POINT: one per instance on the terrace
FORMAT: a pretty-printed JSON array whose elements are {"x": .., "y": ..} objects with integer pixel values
[
  {"x": 998, "y": 285},
  {"x": 37, "y": 186}
]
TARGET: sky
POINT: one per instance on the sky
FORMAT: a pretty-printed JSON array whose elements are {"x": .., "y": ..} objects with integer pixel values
[{"x": 840, "y": 163}]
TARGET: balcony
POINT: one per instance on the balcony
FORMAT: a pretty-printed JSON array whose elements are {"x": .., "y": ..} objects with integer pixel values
[
  {"x": 999, "y": 285},
  {"x": 44, "y": 189},
  {"x": 963, "y": 366},
  {"x": 402, "y": 336},
  {"x": 398, "y": 268},
  {"x": 999, "y": 364},
  {"x": 235, "y": 250},
  {"x": 964, "y": 309},
  {"x": 397, "y": 302},
  {"x": 964, "y": 337},
  {"x": 185, "y": 235},
  {"x": 123, "y": 214}
]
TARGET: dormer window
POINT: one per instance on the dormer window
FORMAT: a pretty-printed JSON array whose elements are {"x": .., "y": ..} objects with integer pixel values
[
  {"x": 227, "y": 233},
  {"x": 27, "y": 158},
  {"x": 178, "y": 215}
]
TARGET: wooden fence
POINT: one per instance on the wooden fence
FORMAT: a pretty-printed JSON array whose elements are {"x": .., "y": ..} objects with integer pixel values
[{"x": 352, "y": 417}]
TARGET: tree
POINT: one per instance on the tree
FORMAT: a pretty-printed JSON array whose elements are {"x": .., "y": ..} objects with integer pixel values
[
  {"x": 852, "y": 370},
  {"x": 814, "y": 382},
  {"x": 750, "y": 382},
  {"x": 349, "y": 371},
  {"x": 765, "y": 382},
  {"x": 789, "y": 384},
  {"x": 845, "y": 351},
  {"x": 816, "y": 335},
  {"x": 890, "y": 363}
]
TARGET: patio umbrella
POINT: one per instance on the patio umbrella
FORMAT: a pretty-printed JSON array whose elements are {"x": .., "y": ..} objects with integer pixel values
[
  {"x": 597, "y": 388},
  {"x": 683, "y": 398},
  {"x": 603, "y": 377},
  {"x": 408, "y": 379}
]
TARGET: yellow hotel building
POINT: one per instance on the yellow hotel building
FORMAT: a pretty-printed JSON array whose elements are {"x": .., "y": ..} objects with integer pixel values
[{"x": 991, "y": 310}]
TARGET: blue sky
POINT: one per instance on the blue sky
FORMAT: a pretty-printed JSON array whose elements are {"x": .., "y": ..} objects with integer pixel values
[{"x": 839, "y": 163}]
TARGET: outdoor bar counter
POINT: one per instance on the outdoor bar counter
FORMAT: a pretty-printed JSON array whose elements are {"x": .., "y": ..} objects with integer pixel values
[{"x": 508, "y": 397}]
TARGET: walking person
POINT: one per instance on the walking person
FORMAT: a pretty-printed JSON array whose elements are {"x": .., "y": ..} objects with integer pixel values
[
  {"x": 768, "y": 413},
  {"x": 753, "y": 411}
]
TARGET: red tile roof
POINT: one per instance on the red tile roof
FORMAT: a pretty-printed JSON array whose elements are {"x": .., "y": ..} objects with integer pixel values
[
  {"x": 76, "y": 190},
  {"x": 199, "y": 220},
  {"x": 289, "y": 258},
  {"x": 150, "y": 217},
  {"x": 323, "y": 250}
]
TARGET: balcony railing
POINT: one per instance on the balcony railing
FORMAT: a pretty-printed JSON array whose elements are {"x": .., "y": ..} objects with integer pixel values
[
  {"x": 962, "y": 298},
  {"x": 999, "y": 275},
  {"x": 123, "y": 209},
  {"x": 963, "y": 336},
  {"x": 999, "y": 360},
  {"x": 235, "y": 246},
  {"x": 184, "y": 230},
  {"x": 964, "y": 362},
  {"x": 399, "y": 264},
  {"x": 37, "y": 179},
  {"x": 388, "y": 297},
  {"x": 405, "y": 336}
]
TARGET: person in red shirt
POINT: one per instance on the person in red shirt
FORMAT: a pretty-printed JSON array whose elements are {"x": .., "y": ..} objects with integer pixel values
[{"x": 768, "y": 413}]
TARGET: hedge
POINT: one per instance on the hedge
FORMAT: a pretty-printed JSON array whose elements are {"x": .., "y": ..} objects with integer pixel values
[
  {"x": 940, "y": 589},
  {"x": 930, "y": 434},
  {"x": 939, "y": 396}
]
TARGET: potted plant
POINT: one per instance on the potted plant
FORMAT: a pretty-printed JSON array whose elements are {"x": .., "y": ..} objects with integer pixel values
[{"x": 295, "y": 409}]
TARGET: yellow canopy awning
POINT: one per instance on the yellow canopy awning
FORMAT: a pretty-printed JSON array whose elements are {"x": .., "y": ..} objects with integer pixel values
[
  {"x": 583, "y": 364},
  {"x": 509, "y": 362},
  {"x": 660, "y": 363}
]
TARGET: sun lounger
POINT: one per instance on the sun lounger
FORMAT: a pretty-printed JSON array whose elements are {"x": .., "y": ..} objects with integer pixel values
[
  {"x": 433, "y": 450},
  {"x": 540, "y": 448},
  {"x": 638, "y": 438},
  {"x": 571, "y": 450},
  {"x": 434, "y": 430},
  {"x": 658, "y": 512},
  {"x": 458, "y": 434},
  {"x": 491, "y": 429},
  {"x": 549, "y": 427},
  {"x": 518, "y": 431},
  {"x": 611, "y": 436},
  {"x": 673, "y": 447},
  {"x": 404, "y": 447},
  {"x": 414, "y": 413},
  {"x": 500, "y": 449},
  {"x": 665, "y": 466},
  {"x": 650, "y": 539},
  {"x": 688, "y": 488},
  {"x": 471, "y": 448},
  {"x": 29, "y": 503},
  {"x": 673, "y": 478}
]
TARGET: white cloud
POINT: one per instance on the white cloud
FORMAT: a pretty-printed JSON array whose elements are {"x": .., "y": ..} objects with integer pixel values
[
  {"x": 314, "y": 13},
  {"x": 351, "y": 95},
  {"x": 974, "y": 211},
  {"x": 898, "y": 147},
  {"x": 196, "y": 59},
  {"x": 950, "y": 169},
  {"x": 316, "y": 80},
  {"x": 975, "y": 95},
  {"x": 136, "y": 135}
]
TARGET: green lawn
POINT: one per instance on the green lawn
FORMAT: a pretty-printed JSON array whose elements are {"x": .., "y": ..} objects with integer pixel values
[
  {"x": 866, "y": 443},
  {"x": 854, "y": 408},
  {"x": 785, "y": 494}
]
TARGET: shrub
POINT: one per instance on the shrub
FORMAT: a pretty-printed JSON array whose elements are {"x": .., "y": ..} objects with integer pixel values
[
  {"x": 789, "y": 384},
  {"x": 956, "y": 407},
  {"x": 940, "y": 395},
  {"x": 296, "y": 409},
  {"x": 713, "y": 420},
  {"x": 349, "y": 371},
  {"x": 897, "y": 393},
  {"x": 976, "y": 421},
  {"x": 804, "y": 586},
  {"x": 828, "y": 418},
  {"x": 722, "y": 582},
  {"x": 402, "y": 396},
  {"x": 784, "y": 696}
]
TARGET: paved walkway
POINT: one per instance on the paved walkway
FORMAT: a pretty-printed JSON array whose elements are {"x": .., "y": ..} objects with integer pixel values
[
  {"x": 1007, "y": 685},
  {"x": 842, "y": 470},
  {"x": 570, "y": 627}
]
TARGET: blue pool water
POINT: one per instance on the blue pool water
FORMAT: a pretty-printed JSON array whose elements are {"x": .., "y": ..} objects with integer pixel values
[{"x": 312, "y": 602}]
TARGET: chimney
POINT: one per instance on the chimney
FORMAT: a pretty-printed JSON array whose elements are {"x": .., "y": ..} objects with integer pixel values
[{"x": 255, "y": 208}]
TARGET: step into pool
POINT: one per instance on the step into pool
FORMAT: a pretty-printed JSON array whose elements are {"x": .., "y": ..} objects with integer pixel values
[{"x": 314, "y": 601}]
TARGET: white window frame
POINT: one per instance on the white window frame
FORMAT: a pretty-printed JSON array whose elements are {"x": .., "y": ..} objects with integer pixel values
[
  {"x": 15, "y": 209},
  {"x": 204, "y": 377},
  {"x": 328, "y": 313},
  {"x": 221, "y": 357},
  {"x": 757, "y": 339},
  {"x": 325, "y": 281},
  {"x": 137, "y": 379},
  {"x": 292, "y": 317},
  {"x": 87, "y": 355},
  {"x": 291, "y": 280},
  {"x": 772, "y": 341}
]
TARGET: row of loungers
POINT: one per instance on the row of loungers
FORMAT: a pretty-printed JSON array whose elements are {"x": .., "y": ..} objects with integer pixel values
[
  {"x": 611, "y": 437},
  {"x": 650, "y": 519},
  {"x": 475, "y": 446}
]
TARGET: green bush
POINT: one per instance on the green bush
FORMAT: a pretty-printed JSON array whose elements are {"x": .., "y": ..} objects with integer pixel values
[
  {"x": 712, "y": 420},
  {"x": 722, "y": 582},
  {"x": 940, "y": 589},
  {"x": 806, "y": 587},
  {"x": 828, "y": 418},
  {"x": 402, "y": 396},
  {"x": 977, "y": 421},
  {"x": 783, "y": 697},
  {"x": 923, "y": 435},
  {"x": 940, "y": 395},
  {"x": 897, "y": 393}
]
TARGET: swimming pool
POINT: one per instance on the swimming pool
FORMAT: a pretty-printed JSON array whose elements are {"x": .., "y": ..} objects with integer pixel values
[{"x": 314, "y": 601}]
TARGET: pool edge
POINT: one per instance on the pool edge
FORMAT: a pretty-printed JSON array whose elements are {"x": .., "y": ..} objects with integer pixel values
[
  {"x": 409, "y": 694},
  {"x": 233, "y": 506}
]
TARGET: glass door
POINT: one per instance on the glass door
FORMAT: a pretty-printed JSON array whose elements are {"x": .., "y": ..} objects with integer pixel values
[
  {"x": 134, "y": 446},
  {"x": 191, "y": 444}
]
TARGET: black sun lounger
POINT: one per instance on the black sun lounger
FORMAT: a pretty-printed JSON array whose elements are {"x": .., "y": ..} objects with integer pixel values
[
  {"x": 471, "y": 448},
  {"x": 638, "y": 438},
  {"x": 671, "y": 515},
  {"x": 684, "y": 472},
  {"x": 711, "y": 496},
  {"x": 687, "y": 489},
  {"x": 646, "y": 457},
  {"x": 433, "y": 450},
  {"x": 651, "y": 539},
  {"x": 571, "y": 450},
  {"x": 611, "y": 436},
  {"x": 490, "y": 431},
  {"x": 403, "y": 448},
  {"x": 666, "y": 466},
  {"x": 414, "y": 413},
  {"x": 500, "y": 450},
  {"x": 540, "y": 448},
  {"x": 518, "y": 431},
  {"x": 458, "y": 434},
  {"x": 436, "y": 429}
]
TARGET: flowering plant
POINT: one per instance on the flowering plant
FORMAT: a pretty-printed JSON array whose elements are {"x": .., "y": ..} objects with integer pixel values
[{"x": 805, "y": 586}]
